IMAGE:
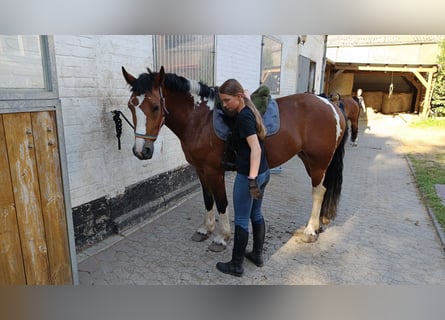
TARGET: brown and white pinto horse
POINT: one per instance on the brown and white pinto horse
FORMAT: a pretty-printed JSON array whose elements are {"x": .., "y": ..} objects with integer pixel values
[
  {"x": 352, "y": 110},
  {"x": 311, "y": 127}
]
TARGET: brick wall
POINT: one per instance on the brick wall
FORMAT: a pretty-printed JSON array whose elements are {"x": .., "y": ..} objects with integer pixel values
[
  {"x": 240, "y": 58},
  {"x": 90, "y": 86}
]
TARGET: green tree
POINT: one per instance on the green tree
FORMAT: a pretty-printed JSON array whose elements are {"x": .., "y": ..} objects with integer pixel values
[{"x": 438, "y": 94}]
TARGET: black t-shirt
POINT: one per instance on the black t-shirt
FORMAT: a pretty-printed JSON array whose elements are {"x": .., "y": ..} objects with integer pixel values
[{"x": 245, "y": 125}]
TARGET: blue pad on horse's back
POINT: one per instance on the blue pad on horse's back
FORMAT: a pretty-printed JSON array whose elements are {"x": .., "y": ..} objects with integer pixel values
[
  {"x": 271, "y": 119},
  {"x": 221, "y": 128}
]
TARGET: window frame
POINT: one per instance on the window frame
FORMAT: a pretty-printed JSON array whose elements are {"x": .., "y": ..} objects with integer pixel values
[
  {"x": 263, "y": 67},
  {"x": 187, "y": 58},
  {"x": 27, "y": 100}
]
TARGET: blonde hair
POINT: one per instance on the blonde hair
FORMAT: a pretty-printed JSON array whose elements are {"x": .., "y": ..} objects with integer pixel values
[{"x": 233, "y": 88}]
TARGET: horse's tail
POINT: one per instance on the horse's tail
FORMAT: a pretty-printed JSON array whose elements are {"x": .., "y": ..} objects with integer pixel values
[{"x": 333, "y": 181}]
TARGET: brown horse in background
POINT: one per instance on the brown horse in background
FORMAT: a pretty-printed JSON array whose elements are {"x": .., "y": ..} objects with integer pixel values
[
  {"x": 311, "y": 128},
  {"x": 352, "y": 111}
]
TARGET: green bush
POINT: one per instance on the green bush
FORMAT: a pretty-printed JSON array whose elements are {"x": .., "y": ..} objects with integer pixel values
[
  {"x": 438, "y": 94},
  {"x": 438, "y": 111}
]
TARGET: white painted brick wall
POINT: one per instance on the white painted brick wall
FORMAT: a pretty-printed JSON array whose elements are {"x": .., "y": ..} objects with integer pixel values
[
  {"x": 239, "y": 57},
  {"x": 90, "y": 86}
]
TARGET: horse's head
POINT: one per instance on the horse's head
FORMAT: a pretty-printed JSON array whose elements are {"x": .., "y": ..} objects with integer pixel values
[{"x": 147, "y": 105}]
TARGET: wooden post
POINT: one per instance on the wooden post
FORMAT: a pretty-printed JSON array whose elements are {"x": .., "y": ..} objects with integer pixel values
[{"x": 428, "y": 93}]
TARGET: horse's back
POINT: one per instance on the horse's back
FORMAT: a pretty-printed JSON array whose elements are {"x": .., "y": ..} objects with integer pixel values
[
  {"x": 301, "y": 108},
  {"x": 308, "y": 123},
  {"x": 352, "y": 108}
]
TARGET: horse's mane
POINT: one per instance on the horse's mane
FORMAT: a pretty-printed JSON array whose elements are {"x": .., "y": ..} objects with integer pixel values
[{"x": 172, "y": 81}]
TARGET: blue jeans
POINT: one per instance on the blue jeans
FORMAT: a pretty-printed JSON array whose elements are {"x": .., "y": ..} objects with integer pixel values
[{"x": 246, "y": 208}]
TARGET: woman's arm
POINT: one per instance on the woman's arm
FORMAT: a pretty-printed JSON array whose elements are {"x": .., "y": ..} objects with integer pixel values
[{"x": 255, "y": 155}]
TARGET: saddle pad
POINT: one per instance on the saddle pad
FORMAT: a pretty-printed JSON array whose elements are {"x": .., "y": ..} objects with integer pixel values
[{"x": 271, "y": 119}]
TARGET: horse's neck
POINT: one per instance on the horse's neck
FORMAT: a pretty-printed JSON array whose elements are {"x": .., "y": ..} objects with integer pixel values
[
  {"x": 184, "y": 120},
  {"x": 179, "y": 116}
]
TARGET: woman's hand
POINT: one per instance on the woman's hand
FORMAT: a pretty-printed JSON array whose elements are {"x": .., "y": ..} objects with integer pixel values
[{"x": 254, "y": 189}]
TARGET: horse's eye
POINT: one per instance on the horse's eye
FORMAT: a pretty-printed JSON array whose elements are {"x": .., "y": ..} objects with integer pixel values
[{"x": 156, "y": 109}]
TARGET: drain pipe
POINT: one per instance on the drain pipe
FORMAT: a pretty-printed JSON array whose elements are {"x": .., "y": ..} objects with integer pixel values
[{"x": 323, "y": 67}]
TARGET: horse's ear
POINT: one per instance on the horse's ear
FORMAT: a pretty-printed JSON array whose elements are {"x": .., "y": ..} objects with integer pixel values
[
  {"x": 160, "y": 76},
  {"x": 128, "y": 77}
]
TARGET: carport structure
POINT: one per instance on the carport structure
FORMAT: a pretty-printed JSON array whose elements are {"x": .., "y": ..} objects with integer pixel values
[{"x": 396, "y": 72}]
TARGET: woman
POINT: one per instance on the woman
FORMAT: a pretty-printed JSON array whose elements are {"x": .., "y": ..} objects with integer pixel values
[{"x": 251, "y": 179}]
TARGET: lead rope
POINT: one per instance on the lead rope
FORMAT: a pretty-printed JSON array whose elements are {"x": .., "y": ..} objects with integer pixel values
[{"x": 118, "y": 124}]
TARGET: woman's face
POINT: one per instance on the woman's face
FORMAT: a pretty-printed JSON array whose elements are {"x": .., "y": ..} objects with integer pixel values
[{"x": 231, "y": 103}]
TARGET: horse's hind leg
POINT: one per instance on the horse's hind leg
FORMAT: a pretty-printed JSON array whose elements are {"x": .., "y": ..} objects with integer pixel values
[
  {"x": 354, "y": 134},
  {"x": 310, "y": 233}
]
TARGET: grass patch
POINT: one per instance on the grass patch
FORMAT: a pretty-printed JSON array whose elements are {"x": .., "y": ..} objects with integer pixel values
[
  {"x": 430, "y": 123},
  {"x": 429, "y": 169}
]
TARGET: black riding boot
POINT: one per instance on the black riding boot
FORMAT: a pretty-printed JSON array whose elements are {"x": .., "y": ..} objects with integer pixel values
[
  {"x": 259, "y": 233},
  {"x": 235, "y": 266}
]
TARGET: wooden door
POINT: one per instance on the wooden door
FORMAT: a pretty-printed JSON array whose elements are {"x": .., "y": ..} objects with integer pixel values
[{"x": 34, "y": 245}]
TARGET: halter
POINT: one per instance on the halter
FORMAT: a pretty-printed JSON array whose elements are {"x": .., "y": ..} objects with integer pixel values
[{"x": 164, "y": 113}]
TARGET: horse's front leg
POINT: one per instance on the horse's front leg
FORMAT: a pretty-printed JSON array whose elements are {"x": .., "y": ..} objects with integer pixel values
[
  {"x": 209, "y": 224},
  {"x": 311, "y": 231},
  {"x": 214, "y": 191},
  {"x": 223, "y": 234}
]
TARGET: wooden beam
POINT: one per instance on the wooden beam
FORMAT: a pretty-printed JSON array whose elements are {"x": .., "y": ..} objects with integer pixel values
[
  {"x": 412, "y": 79},
  {"x": 385, "y": 68},
  {"x": 421, "y": 78},
  {"x": 339, "y": 72}
]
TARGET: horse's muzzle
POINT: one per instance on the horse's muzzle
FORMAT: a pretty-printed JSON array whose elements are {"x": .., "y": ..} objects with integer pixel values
[{"x": 146, "y": 153}]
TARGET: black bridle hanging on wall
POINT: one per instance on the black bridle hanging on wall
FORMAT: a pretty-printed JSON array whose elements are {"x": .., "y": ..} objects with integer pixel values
[{"x": 118, "y": 125}]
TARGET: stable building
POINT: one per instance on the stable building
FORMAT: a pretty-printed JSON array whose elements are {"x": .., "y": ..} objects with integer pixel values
[{"x": 395, "y": 72}]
